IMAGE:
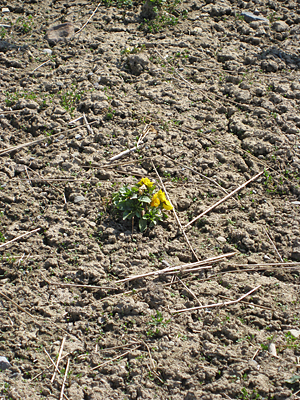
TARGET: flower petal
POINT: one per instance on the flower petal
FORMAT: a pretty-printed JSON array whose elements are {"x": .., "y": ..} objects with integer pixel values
[{"x": 167, "y": 205}]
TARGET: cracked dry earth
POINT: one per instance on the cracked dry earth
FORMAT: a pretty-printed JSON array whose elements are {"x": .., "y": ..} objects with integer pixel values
[{"x": 222, "y": 91}]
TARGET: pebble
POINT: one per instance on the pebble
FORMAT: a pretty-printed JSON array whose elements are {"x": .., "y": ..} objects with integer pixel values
[
  {"x": 295, "y": 333},
  {"x": 5, "y": 10},
  {"x": 78, "y": 136},
  {"x": 78, "y": 199},
  {"x": 296, "y": 203},
  {"x": 221, "y": 239},
  {"x": 47, "y": 51},
  {"x": 249, "y": 17},
  {"x": 272, "y": 349},
  {"x": 4, "y": 363}
]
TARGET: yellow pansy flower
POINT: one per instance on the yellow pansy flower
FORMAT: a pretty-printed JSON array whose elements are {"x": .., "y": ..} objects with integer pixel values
[
  {"x": 167, "y": 205},
  {"x": 162, "y": 197},
  {"x": 145, "y": 181},
  {"x": 155, "y": 201}
]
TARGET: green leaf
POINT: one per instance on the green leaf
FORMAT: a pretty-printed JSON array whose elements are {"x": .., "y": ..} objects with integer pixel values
[
  {"x": 134, "y": 196},
  {"x": 293, "y": 379},
  {"x": 127, "y": 214},
  {"x": 142, "y": 224},
  {"x": 145, "y": 199}
]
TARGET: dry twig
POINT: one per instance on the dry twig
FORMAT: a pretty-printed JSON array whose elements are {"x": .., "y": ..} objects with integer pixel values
[
  {"x": 19, "y": 237},
  {"x": 226, "y": 303},
  {"x": 224, "y": 198},
  {"x": 115, "y": 358},
  {"x": 58, "y": 359},
  {"x": 64, "y": 381},
  {"x": 174, "y": 212}
]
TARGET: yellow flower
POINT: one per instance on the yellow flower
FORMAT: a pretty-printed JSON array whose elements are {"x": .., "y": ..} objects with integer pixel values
[
  {"x": 155, "y": 201},
  {"x": 145, "y": 181},
  {"x": 162, "y": 197},
  {"x": 167, "y": 205}
]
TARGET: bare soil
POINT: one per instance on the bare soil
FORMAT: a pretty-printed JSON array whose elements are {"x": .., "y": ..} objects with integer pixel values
[{"x": 223, "y": 94}]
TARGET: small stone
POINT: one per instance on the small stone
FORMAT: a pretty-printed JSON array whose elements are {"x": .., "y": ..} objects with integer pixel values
[
  {"x": 197, "y": 30},
  {"x": 296, "y": 254},
  {"x": 295, "y": 333},
  {"x": 78, "y": 136},
  {"x": 103, "y": 175},
  {"x": 280, "y": 26},
  {"x": 58, "y": 33},
  {"x": 5, "y": 10},
  {"x": 78, "y": 199},
  {"x": 249, "y": 17},
  {"x": 47, "y": 51},
  {"x": 296, "y": 203},
  {"x": 272, "y": 349},
  {"x": 4, "y": 363},
  {"x": 221, "y": 239}
]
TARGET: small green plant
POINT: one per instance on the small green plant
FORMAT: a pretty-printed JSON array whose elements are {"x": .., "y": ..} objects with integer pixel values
[
  {"x": 3, "y": 32},
  {"x": 70, "y": 98},
  {"x": 2, "y": 237},
  {"x": 141, "y": 202}
]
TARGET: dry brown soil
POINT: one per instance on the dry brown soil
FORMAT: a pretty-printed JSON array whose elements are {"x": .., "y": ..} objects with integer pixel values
[{"x": 223, "y": 94}]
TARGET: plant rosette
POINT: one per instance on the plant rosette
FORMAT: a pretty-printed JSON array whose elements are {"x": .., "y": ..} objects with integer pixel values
[{"x": 141, "y": 201}]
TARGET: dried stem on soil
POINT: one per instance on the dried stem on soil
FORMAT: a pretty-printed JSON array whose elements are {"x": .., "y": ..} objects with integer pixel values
[
  {"x": 21, "y": 146},
  {"x": 116, "y": 358},
  {"x": 19, "y": 237},
  {"x": 273, "y": 244},
  {"x": 174, "y": 212},
  {"x": 225, "y": 198},
  {"x": 94, "y": 12},
  {"x": 58, "y": 359},
  {"x": 64, "y": 381},
  {"x": 44, "y": 63},
  {"x": 226, "y": 303}
]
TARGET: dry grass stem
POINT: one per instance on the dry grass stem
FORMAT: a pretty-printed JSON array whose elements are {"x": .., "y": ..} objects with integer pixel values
[
  {"x": 19, "y": 237},
  {"x": 273, "y": 244},
  {"x": 64, "y": 381},
  {"x": 80, "y": 286},
  {"x": 180, "y": 268},
  {"x": 44, "y": 63},
  {"x": 148, "y": 128},
  {"x": 277, "y": 264},
  {"x": 224, "y": 198},
  {"x": 226, "y": 303},
  {"x": 58, "y": 358},
  {"x": 94, "y": 12},
  {"x": 90, "y": 130},
  {"x": 115, "y": 358},
  {"x": 75, "y": 120},
  {"x": 117, "y": 347},
  {"x": 21, "y": 146},
  {"x": 45, "y": 369},
  {"x": 189, "y": 290},
  {"x": 174, "y": 212},
  {"x": 250, "y": 304},
  {"x": 198, "y": 173}
]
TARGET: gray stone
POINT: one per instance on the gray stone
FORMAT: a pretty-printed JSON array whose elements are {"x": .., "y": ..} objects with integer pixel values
[
  {"x": 5, "y": 10},
  {"x": 103, "y": 175},
  {"x": 78, "y": 199},
  {"x": 296, "y": 253},
  {"x": 58, "y": 33},
  {"x": 138, "y": 63},
  {"x": 221, "y": 239},
  {"x": 4, "y": 363},
  {"x": 296, "y": 203},
  {"x": 47, "y": 51},
  {"x": 280, "y": 26},
  {"x": 249, "y": 17}
]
